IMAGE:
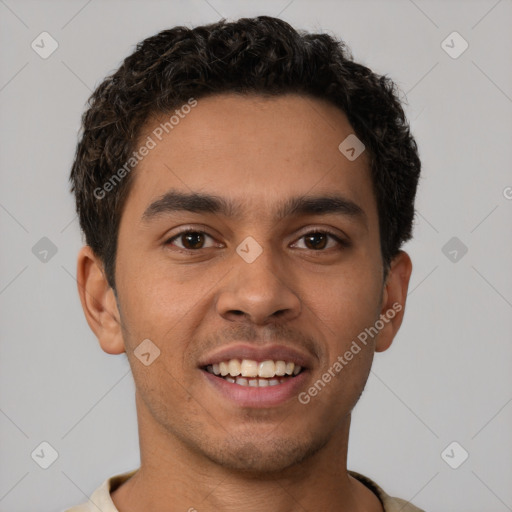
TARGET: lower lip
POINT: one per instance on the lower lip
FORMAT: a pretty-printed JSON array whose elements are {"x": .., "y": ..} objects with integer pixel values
[{"x": 249, "y": 396}]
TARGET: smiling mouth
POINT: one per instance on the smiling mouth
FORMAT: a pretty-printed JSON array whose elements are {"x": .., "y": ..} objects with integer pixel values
[{"x": 248, "y": 372}]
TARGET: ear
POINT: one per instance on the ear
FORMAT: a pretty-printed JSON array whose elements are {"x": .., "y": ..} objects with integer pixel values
[
  {"x": 393, "y": 299},
  {"x": 99, "y": 302}
]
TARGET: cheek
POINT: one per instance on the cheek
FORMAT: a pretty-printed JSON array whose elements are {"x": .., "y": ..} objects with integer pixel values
[
  {"x": 342, "y": 309},
  {"x": 346, "y": 301},
  {"x": 343, "y": 315},
  {"x": 155, "y": 308},
  {"x": 164, "y": 305}
]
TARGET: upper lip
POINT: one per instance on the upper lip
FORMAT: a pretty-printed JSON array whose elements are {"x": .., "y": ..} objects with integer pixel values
[{"x": 256, "y": 353}]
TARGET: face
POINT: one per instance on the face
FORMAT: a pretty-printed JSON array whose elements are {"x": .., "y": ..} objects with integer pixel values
[{"x": 248, "y": 235}]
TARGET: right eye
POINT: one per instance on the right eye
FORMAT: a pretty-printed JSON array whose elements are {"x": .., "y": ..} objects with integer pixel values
[{"x": 190, "y": 240}]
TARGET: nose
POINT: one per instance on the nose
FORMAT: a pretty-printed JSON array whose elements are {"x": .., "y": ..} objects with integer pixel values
[{"x": 260, "y": 292}]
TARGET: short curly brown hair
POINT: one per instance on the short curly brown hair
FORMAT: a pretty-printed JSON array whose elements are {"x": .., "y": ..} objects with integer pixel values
[{"x": 262, "y": 55}]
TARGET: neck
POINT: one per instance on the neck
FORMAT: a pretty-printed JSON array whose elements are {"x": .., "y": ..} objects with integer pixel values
[{"x": 173, "y": 473}]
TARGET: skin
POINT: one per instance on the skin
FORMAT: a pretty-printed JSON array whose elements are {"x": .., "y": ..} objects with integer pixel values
[{"x": 197, "y": 448}]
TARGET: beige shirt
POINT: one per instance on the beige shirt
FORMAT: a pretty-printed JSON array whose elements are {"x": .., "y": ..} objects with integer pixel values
[{"x": 101, "y": 500}]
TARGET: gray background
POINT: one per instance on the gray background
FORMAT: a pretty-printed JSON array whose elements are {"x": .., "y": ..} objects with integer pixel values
[{"x": 446, "y": 378}]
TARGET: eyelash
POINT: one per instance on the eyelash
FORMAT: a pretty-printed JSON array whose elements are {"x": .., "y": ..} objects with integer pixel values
[{"x": 342, "y": 243}]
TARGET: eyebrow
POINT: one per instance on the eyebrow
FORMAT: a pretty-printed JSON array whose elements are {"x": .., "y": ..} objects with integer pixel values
[{"x": 175, "y": 201}]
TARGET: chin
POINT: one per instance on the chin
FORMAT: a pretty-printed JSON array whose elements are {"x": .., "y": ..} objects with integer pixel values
[{"x": 264, "y": 457}]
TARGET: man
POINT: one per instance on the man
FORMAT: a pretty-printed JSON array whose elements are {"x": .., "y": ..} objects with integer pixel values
[{"x": 244, "y": 190}]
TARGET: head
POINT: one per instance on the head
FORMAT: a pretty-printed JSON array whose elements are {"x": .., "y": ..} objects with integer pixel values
[{"x": 231, "y": 131}]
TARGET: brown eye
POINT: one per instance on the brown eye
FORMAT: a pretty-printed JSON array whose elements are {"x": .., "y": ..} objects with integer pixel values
[
  {"x": 193, "y": 240},
  {"x": 320, "y": 240},
  {"x": 316, "y": 240},
  {"x": 190, "y": 240}
]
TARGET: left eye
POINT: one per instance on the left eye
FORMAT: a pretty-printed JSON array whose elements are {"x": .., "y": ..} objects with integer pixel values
[
  {"x": 318, "y": 240},
  {"x": 190, "y": 240}
]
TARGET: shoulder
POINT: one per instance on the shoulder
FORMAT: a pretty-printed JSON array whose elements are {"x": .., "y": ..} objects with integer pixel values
[
  {"x": 389, "y": 503},
  {"x": 100, "y": 498}
]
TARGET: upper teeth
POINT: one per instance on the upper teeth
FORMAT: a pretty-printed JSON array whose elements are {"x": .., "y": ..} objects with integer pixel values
[{"x": 250, "y": 368}]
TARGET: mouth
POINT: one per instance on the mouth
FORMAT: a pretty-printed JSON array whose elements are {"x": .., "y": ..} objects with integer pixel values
[
  {"x": 252, "y": 373},
  {"x": 248, "y": 383},
  {"x": 256, "y": 376}
]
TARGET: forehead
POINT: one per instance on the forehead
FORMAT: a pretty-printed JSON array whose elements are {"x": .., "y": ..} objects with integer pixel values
[{"x": 252, "y": 150}]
